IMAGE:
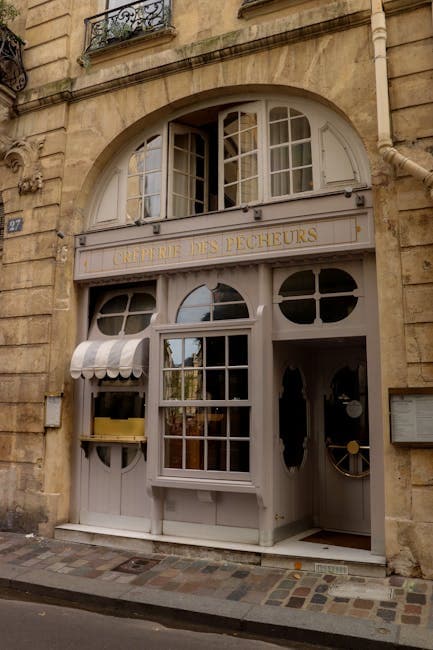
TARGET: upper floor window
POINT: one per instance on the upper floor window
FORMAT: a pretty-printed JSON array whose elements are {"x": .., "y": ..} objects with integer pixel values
[
  {"x": 226, "y": 156},
  {"x": 123, "y": 20}
]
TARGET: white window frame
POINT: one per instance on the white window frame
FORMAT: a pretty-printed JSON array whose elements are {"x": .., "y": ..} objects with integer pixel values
[{"x": 176, "y": 332}]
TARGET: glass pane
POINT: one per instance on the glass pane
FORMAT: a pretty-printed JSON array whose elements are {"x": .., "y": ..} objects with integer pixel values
[
  {"x": 115, "y": 305},
  {"x": 231, "y": 196},
  {"x": 133, "y": 209},
  {"x": 229, "y": 312},
  {"x": 153, "y": 159},
  {"x": 193, "y": 384},
  {"x": 280, "y": 158},
  {"x": 238, "y": 384},
  {"x": 152, "y": 183},
  {"x": 239, "y": 422},
  {"x": 249, "y": 166},
  {"x": 135, "y": 186},
  {"x": 249, "y": 190},
  {"x": 335, "y": 281},
  {"x": 104, "y": 454},
  {"x": 193, "y": 315},
  {"x": 247, "y": 120},
  {"x": 301, "y": 283},
  {"x": 197, "y": 144},
  {"x": 300, "y": 128},
  {"x": 193, "y": 353},
  {"x": 173, "y": 453},
  {"x": 231, "y": 146},
  {"x": 217, "y": 455},
  {"x": 231, "y": 171},
  {"x": 216, "y": 421},
  {"x": 335, "y": 309},
  {"x": 199, "y": 167},
  {"x": 280, "y": 184},
  {"x": 180, "y": 183},
  {"x": 194, "y": 454},
  {"x": 293, "y": 418},
  {"x": 238, "y": 350},
  {"x": 152, "y": 206},
  {"x": 248, "y": 140},
  {"x": 173, "y": 421},
  {"x": 142, "y": 302},
  {"x": 128, "y": 455},
  {"x": 180, "y": 160},
  {"x": 224, "y": 293},
  {"x": 299, "y": 311},
  {"x": 239, "y": 456},
  {"x": 194, "y": 421},
  {"x": 200, "y": 296},
  {"x": 110, "y": 325},
  {"x": 301, "y": 154},
  {"x": 303, "y": 180},
  {"x": 278, "y": 113},
  {"x": 119, "y": 406},
  {"x": 231, "y": 123},
  {"x": 181, "y": 140},
  {"x": 137, "y": 323},
  {"x": 172, "y": 384},
  {"x": 181, "y": 206},
  {"x": 215, "y": 351},
  {"x": 173, "y": 353},
  {"x": 215, "y": 384},
  {"x": 155, "y": 142},
  {"x": 279, "y": 133}
]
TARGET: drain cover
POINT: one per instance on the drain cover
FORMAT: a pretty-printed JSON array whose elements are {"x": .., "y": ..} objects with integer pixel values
[{"x": 136, "y": 565}]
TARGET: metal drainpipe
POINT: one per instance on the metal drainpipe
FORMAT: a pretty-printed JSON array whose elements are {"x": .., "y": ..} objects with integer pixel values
[{"x": 385, "y": 144}]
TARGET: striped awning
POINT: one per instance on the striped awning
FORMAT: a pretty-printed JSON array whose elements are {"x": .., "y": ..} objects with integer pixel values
[{"x": 121, "y": 356}]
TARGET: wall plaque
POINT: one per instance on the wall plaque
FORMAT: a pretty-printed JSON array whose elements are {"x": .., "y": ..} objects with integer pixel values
[
  {"x": 411, "y": 415},
  {"x": 15, "y": 224}
]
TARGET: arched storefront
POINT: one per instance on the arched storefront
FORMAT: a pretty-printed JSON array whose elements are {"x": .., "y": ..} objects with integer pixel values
[{"x": 228, "y": 366}]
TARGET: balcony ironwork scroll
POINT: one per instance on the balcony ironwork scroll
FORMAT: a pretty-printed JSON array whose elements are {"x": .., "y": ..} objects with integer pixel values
[
  {"x": 128, "y": 21},
  {"x": 12, "y": 72}
]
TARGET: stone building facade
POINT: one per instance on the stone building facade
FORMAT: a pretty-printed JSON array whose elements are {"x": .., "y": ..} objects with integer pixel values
[{"x": 216, "y": 274}]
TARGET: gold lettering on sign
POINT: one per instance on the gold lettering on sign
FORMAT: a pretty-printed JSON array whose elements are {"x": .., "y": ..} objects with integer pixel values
[{"x": 241, "y": 242}]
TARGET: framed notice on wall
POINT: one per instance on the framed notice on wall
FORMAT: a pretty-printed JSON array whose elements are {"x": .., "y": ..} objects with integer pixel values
[{"x": 411, "y": 415}]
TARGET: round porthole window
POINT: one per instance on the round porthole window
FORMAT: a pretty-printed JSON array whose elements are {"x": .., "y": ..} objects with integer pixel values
[{"x": 318, "y": 296}]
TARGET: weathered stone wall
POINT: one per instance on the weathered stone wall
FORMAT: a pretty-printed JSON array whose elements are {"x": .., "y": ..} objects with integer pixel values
[
  {"x": 406, "y": 286},
  {"x": 323, "y": 50}
]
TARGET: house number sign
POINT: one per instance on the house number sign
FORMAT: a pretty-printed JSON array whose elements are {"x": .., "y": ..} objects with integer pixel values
[{"x": 15, "y": 224}]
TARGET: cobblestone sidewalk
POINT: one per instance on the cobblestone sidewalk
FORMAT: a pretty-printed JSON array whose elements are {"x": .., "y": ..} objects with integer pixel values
[{"x": 397, "y": 600}]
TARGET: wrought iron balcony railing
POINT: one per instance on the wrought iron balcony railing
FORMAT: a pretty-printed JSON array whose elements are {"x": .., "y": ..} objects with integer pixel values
[
  {"x": 128, "y": 21},
  {"x": 12, "y": 72}
]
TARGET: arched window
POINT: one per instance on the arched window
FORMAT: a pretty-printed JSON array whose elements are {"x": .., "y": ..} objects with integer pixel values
[
  {"x": 226, "y": 156},
  {"x": 204, "y": 304}
]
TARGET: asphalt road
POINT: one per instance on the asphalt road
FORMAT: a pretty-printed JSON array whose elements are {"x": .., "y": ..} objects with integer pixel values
[{"x": 51, "y": 627}]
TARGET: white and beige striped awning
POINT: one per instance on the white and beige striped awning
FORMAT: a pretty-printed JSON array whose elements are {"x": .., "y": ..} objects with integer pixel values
[{"x": 120, "y": 356}]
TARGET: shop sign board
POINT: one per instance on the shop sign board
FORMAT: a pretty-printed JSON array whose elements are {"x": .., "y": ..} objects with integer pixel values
[
  {"x": 241, "y": 245},
  {"x": 411, "y": 416}
]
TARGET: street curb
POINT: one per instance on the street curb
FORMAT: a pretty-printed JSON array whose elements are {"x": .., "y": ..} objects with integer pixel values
[{"x": 269, "y": 623}]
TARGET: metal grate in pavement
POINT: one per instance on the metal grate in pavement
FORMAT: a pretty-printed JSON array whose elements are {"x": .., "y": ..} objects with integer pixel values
[{"x": 136, "y": 565}]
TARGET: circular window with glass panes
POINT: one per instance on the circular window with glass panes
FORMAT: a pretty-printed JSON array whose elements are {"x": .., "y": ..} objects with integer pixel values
[
  {"x": 313, "y": 296},
  {"x": 125, "y": 313}
]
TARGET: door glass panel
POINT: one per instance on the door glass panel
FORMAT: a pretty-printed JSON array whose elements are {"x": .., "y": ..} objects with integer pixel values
[
  {"x": 215, "y": 384},
  {"x": 293, "y": 418},
  {"x": 217, "y": 455},
  {"x": 239, "y": 422},
  {"x": 239, "y": 456},
  {"x": 128, "y": 455},
  {"x": 346, "y": 422},
  {"x": 216, "y": 421},
  {"x": 238, "y": 384}
]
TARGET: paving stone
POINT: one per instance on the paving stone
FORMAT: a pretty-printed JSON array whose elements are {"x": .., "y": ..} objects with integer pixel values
[
  {"x": 295, "y": 601},
  {"x": 416, "y": 598},
  {"x": 387, "y": 615},
  {"x": 360, "y": 603},
  {"x": 410, "y": 620},
  {"x": 319, "y": 599},
  {"x": 240, "y": 574},
  {"x": 321, "y": 589}
]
